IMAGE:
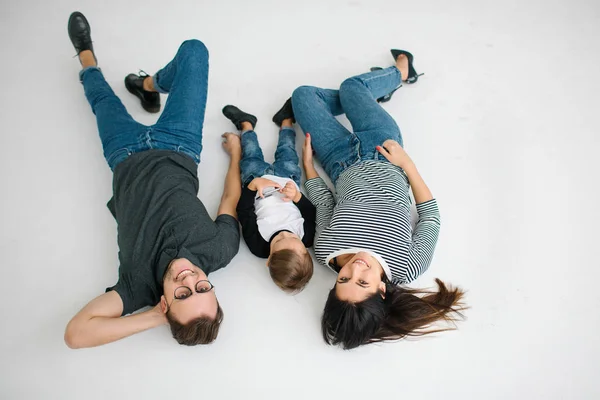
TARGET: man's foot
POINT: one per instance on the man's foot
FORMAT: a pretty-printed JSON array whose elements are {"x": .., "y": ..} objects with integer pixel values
[
  {"x": 402, "y": 65},
  {"x": 135, "y": 85},
  {"x": 286, "y": 112},
  {"x": 237, "y": 116},
  {"x": 80, "y": 34}
]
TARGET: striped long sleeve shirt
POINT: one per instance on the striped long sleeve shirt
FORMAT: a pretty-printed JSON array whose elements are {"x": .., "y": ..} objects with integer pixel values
[{"x": 372, "y": 211}]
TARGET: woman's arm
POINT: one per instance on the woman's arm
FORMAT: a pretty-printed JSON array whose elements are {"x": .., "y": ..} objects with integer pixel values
[
  {"x": 425, "y": 234},
  {"x": 318, "y": 192}
]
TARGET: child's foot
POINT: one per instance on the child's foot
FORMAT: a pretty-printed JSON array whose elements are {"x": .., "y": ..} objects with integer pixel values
[
  {"x": 80, "y": 34},
  {"x": 402, "y": 65},
  {"x": 237, "y": 116},
  {"x": 138, "y": 86},
  {"x": 286, "y": 112}
]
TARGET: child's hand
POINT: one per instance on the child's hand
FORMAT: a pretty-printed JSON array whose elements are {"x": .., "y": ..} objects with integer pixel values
[
  {"x": 307, "y": 152},
  {"x": 290, "y": 192},
  {"x": 259, "y": 184},
  {"x": 232, "y": 144},
  {"x": 395, "y": 154}
]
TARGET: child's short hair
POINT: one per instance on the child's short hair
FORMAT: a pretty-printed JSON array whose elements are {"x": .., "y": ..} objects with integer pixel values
[{"x": 290, "y": 270}]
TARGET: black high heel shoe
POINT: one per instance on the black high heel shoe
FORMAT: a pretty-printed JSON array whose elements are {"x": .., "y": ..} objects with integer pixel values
[{"x": 412, "y": 74}]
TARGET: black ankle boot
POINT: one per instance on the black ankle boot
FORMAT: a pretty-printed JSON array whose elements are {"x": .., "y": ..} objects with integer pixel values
[
  {"x": 237, "y": 116},
  {"x": 80, "y": 33},
  {"x": 284, "y": 113},
  {"x": 135, "y": 85}
]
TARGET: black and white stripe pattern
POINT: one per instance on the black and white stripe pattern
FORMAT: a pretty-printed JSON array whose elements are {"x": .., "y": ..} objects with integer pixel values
[{"x": 372, "y": 211}]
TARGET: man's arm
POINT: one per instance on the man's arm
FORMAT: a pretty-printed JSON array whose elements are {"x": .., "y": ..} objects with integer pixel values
[
  {"x": 233, "y": 182},
  {"x": 100, "y": 322}
]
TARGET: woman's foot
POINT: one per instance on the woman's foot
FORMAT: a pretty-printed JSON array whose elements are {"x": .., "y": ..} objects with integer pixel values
[
  {"x": 237, "y": 116},
  {"x": 142, "y": 87},
  {"x": 402, "y": 65},
  {"x": 286, "y": 112}
]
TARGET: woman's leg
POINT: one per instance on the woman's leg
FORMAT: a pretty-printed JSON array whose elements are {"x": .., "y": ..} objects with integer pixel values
[
  {"x": 253, "y": 163},
  {"x": 185, "y": 78},
  {"x": 119, "y": 133},
  {"x": 371, "y": 123},
  {"x": 286, "y": 163},
  {"x": 315, "y": 110}
]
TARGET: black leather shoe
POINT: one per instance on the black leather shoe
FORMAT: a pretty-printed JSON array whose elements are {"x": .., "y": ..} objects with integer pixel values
[
  {"x": 284, "y": 113},
  {"x": 135, "y": 85},
  {"x": 412, "y": 74},
  {"x": 237, "y": 116},
  {"x": 80, "y": 33}
]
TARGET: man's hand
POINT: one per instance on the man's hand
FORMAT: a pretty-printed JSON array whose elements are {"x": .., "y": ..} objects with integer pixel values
[
  {"x": 232, "y": 144},
  {"x": 159, "y": 313},
  {"x": 395, "y": 154},
  {"x": 290, "y": 192},
  {"x": 259, "y": 184}
]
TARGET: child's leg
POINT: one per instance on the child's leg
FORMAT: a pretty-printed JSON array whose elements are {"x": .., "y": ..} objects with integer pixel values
[
  {"x": 286, "y": 163},
  {"x": 371, "y": 123},
  {"x": 315, "y": 110},
  {"x": 119, "y": 133},
  {"x": 185, "y": 78},
  {"x": 253, "y": 163}
]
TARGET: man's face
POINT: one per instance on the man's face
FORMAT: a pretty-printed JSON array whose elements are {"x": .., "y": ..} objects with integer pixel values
[{"x": 185, "y": 279}]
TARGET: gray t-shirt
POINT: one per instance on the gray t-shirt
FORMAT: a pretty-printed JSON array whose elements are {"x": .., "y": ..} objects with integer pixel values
[{"x": 160, "y": 218}]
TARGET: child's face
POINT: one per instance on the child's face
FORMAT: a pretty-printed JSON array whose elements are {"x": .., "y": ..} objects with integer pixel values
[{"x": 288, "y": 241}]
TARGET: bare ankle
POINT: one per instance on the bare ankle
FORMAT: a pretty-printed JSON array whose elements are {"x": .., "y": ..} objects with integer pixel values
[
  {"x": 287, "y": 123},
  {"x": 149, "y": 84},
  {"x": 87, "y": 59},
  {"x": 246, "y": 126}
]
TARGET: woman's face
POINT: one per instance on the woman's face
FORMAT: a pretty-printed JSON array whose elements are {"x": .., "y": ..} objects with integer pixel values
[{"x": 359, "y": 277}]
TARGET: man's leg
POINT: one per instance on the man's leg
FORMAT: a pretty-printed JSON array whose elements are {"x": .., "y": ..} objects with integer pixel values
[
  {"x": 185, "y": 78},
  {"x": 371, "y": 123},
  {"x": 253, "y": 163},
  {"x": 286, "y": 163},
  {"x": 119, "y": 132},
  {"x": 315, "y": 110}
]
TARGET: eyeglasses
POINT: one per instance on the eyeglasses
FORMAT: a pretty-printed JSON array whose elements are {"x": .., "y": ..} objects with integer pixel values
[{"x": 184, "y": 292}]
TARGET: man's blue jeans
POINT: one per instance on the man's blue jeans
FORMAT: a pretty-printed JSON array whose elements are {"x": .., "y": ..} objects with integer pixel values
[
  {"x": 179, "y": 128},
  {"x": 253, "y": 163},
  {"x": 336, "y": 147}
]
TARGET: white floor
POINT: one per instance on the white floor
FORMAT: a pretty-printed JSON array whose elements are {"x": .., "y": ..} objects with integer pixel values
[{"x": 503, "y": 127}]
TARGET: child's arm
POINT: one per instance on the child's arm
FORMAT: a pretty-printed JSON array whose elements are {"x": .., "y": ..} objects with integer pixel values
[
  {"x": 247, "y": 217},
  {"x": 309, "y": 213}
]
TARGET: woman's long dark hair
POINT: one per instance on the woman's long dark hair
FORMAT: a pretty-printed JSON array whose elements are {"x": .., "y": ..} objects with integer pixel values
[{"x": 402, "y": 312}]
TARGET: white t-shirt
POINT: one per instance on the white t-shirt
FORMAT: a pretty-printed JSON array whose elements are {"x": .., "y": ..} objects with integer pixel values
[{"x": 273, "y": 214}]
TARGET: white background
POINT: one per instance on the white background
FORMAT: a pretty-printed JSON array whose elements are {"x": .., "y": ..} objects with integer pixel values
[{"x": 503, "y": 127}]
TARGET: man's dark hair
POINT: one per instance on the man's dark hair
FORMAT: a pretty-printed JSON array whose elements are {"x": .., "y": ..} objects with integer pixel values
[{"x": 201, "y": 330}]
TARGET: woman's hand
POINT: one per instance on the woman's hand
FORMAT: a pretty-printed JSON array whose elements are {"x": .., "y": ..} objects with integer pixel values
[
  {"x": 290, "y": 192},
  {"x": 232, "y": 144},
  {"x": 259, "y": 184},
  {"x": 307, "y": 159},
  {"x": 395, "y": 154},
  {"x": 307, "y": 152}
]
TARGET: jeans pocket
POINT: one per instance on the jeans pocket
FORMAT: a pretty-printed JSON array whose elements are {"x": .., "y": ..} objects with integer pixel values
[
  {"x": 117, "y": 156},
  {"x": 194, "y": 156}
]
